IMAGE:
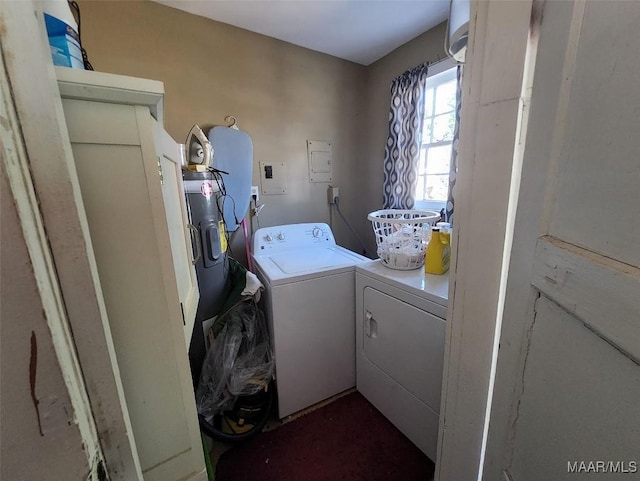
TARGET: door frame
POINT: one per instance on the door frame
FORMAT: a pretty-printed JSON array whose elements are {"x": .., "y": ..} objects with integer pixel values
[
  {"x": 45, "y": 186},
  {"x": 494, "y": 116}
]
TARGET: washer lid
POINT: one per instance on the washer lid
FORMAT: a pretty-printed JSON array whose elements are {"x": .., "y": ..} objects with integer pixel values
[
  {"x": 307, "y": 263},
  {"x": 311, "y": 260}
]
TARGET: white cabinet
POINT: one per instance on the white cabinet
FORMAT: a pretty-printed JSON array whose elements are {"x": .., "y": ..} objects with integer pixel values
[{"x": 129, "y": 173}]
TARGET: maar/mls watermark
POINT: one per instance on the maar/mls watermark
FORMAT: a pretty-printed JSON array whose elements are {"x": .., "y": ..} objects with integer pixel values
[{"x": 619, "y": 467}]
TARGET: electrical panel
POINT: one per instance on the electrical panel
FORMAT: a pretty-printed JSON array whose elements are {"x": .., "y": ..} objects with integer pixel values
[{"x": 320, "y": 156}]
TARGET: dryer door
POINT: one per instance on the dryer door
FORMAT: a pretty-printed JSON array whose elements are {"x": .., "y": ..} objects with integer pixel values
[{"x": 406, "y": 343}]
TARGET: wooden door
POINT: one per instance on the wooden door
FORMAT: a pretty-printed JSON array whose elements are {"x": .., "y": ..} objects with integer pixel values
[
  {"x": 169, "y": 158},
  {"x": 566, "y": 398}
]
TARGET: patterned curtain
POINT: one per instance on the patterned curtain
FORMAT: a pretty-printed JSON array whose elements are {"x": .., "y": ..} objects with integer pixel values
[
  {"x": 453, "y": 168},
  {"x": 402, "y": 150}
]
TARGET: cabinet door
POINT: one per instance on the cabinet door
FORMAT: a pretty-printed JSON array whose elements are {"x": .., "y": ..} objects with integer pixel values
[
  {"x": 175, "y": 207},
  {"x": 117, "y": 167}
]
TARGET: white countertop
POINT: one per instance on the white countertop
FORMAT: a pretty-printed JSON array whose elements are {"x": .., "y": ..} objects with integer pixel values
[{"x": 432, "y": 287}]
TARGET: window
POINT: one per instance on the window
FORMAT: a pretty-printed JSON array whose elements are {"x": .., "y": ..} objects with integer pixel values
[{"x": 437, "y": 136}]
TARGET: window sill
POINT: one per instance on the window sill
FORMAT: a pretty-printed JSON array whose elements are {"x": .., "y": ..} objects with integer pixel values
[{"x": 433, "y": 205}]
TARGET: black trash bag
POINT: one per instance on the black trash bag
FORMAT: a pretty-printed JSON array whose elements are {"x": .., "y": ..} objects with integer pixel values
[{"x": 239, "y": 361}]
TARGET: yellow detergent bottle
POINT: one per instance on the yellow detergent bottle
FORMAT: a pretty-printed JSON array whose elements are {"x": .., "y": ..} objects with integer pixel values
[{"x": 438, "y": 253}]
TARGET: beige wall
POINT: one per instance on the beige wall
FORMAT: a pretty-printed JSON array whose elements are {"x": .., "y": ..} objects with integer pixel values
[
  {"x": 31, "y": 450},
  {"x": 281, "y": 94}
]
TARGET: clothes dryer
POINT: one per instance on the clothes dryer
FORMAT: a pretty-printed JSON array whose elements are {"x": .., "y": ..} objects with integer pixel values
[{"x": 400, "y": 336}]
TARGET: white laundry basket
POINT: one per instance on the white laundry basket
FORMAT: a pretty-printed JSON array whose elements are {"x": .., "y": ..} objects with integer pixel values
[{"x": 402, "y": 236}]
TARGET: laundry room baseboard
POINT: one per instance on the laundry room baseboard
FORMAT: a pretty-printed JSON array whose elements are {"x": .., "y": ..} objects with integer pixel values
[
  {"x": 316, "y": 406},
  {"x": 202, "y": 476}
]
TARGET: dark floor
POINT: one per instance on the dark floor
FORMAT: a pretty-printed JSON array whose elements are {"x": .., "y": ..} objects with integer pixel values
[{"x": 347, "y": 439}]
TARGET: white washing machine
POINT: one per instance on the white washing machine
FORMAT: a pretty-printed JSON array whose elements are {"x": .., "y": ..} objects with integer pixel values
[
  {"x": 310, "y": 308},
  {"x": 400, "y": 333}
]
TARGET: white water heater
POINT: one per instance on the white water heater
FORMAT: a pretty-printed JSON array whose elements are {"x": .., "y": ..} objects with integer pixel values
[{"x": 458, "y": 29}]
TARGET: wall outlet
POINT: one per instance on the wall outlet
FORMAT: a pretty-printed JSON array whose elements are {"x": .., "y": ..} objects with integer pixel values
[
  {"x": 332, "y": 193},
  {"x": 255, "y": 191}
]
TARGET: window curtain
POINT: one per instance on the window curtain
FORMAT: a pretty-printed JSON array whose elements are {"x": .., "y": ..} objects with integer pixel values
[
  {"x": 402, "y": 150},
  {"x": 453, "y": 166}
]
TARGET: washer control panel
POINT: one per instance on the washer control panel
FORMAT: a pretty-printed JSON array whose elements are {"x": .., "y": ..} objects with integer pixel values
[{"x": 292, "y": 236}]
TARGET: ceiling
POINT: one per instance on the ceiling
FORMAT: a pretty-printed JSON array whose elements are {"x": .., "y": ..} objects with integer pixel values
[{"x": 361, "y": 31}]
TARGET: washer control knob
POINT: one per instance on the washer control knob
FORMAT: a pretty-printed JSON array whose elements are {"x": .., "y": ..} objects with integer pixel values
[
  {"x": 268, "y": 238},
  {"x": 317, "y": 232},
  {"x": 281, "y": 236}
]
